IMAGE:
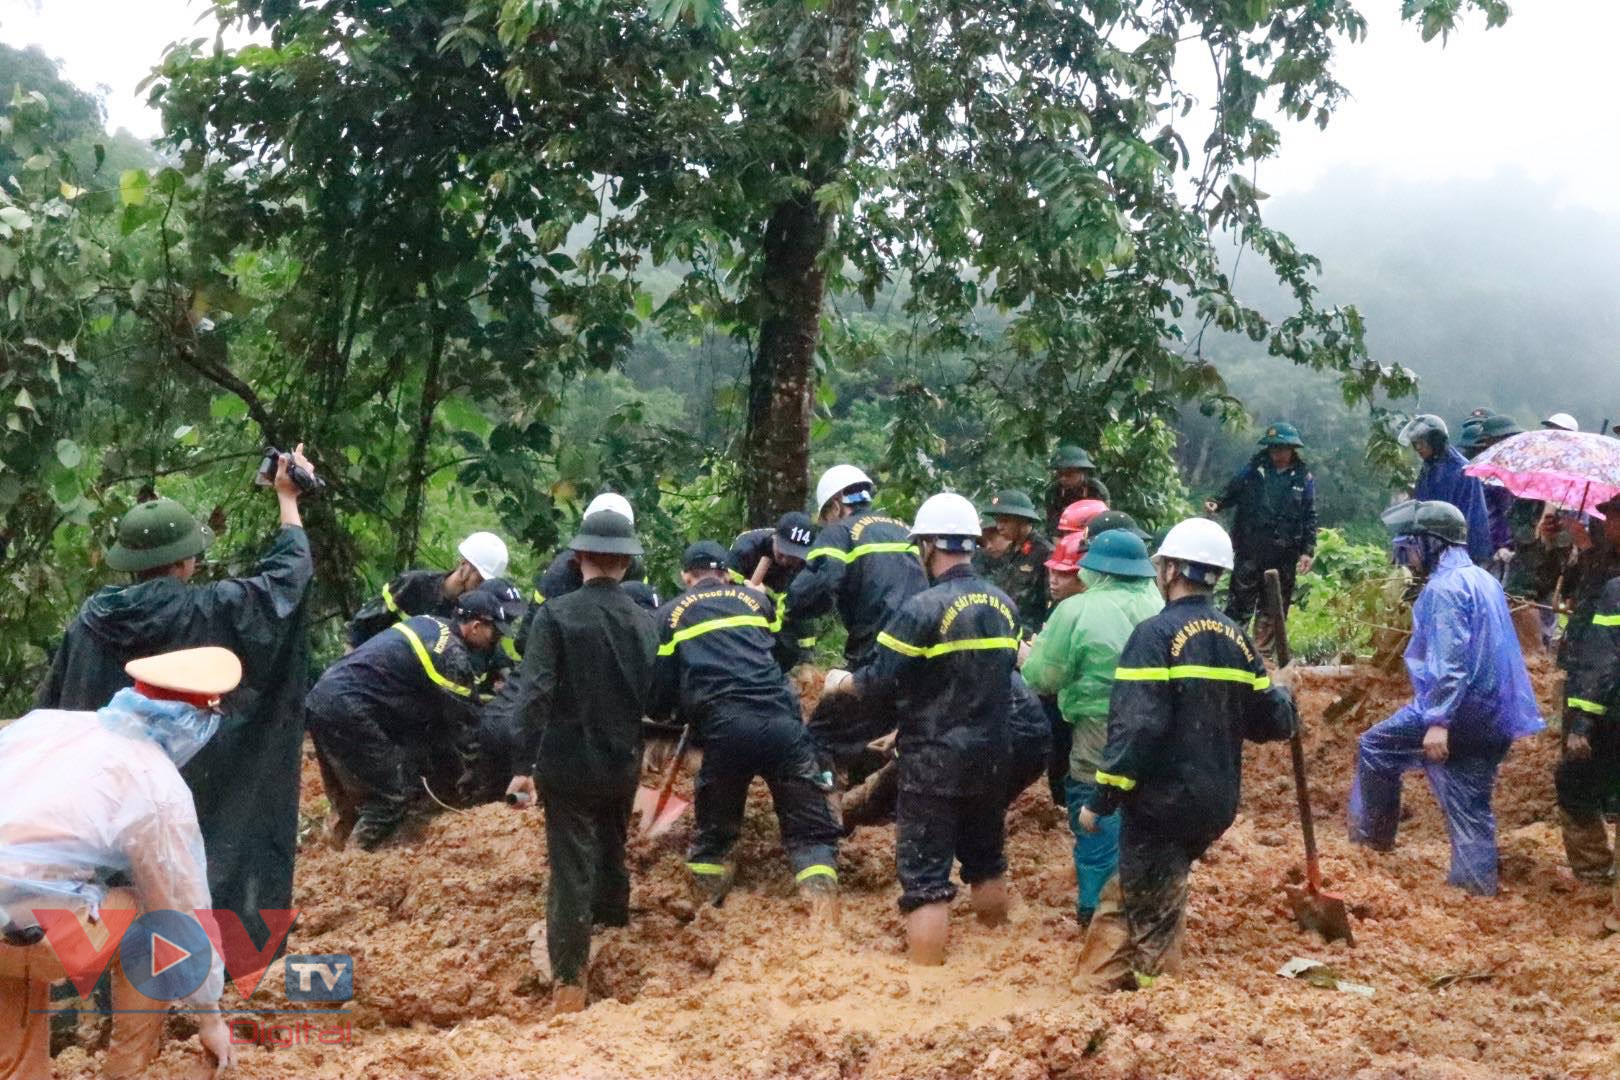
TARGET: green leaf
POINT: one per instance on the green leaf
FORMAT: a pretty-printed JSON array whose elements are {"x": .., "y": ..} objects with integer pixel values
[
  {"x": 24, "y": 400},
  {"x": 16, "y": 217},
  {"x": 132, "y": 187},
  {"x": 68, "y": 453},
  {"x": 227, "y": 407},
  {"x": 186, "y": 434}
]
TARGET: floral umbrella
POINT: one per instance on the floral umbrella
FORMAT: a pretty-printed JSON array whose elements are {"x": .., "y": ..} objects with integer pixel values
[{"x": 1575, "y": 469}]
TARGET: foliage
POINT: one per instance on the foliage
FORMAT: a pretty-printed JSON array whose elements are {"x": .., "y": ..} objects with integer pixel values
[{"x": 1350, "y": 593}]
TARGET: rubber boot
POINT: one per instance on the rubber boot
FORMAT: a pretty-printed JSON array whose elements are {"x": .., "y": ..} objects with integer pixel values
[
  {"x": 710, "y": 887},
  {"x": 1586, "y": 843},
  {"x": 927, "y": 929},
  {"x": 568, "y": 999},
  {"x": 821, "y": 892},
  {"x": 989, "y": 900}
]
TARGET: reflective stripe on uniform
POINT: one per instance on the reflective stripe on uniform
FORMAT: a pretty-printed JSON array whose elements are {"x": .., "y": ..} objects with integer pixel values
[
  {"x": 890, "y": 547},
  {"x": 1606, "y": 620},
  {"x": 905, "y": 648},
  {"x": 388, "y": 602},
  {"x": 509, "y": 647},
  {"x": 539, "y": 598},
  {"x": 818, "y": 870},
  {"x": 427, "y": 663},
  {"x": 1587, "y": 706},
  {"x": 780, "y": 598},
  {"x": 1124, "y": 783},
  {"x": 1192, "y": 671},
  {"x": 807, "y": 643},
  {"x": 698, "y": 629},
  {"x": 709, "y": 868}
]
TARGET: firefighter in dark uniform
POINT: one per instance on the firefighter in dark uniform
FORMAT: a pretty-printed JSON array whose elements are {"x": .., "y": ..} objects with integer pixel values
[
  {"x": 399, "y": 698},
  {"x": 775, "y": 557},
  {"x": 716, "y": 671},
  {"x": 1190, "y": 688},
  {"x": 1274, "y": 527},
  {"x": 585, "y": 684},
  {"x": 1073, "y": 478},
  {"x": 1020, "y": 571},
  {"x": 430, "y": 592},
  {"x": 945, "y": 663}
]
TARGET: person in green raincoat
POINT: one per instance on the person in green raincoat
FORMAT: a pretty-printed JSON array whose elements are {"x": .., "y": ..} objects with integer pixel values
[
  {"x": 1074, "y": 657},
  {"x": 245, "y": 781}
]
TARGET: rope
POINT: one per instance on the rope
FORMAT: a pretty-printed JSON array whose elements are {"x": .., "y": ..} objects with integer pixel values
[{"x": 438, "y": 800}]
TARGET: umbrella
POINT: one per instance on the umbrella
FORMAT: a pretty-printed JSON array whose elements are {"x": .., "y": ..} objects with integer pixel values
[{"x": 1576, "y": 470}]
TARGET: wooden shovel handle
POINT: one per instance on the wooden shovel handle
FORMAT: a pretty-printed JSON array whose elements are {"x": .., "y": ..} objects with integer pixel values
[
  {"x": 669, "y": 778},
  {"x": 1296, "y": 743}
]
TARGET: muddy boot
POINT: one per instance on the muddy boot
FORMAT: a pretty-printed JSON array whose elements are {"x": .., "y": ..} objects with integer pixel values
[
  {"x": 1586, "y": 843},
  {"x": 568, "y": 999},
  {"x": 927, "y": 929},
  {"x": 712, "y": 881},
  {"x": 821, "y": 892},
  {"x": 1105, "y": 958},
  {"x": 989, "y": 901}
]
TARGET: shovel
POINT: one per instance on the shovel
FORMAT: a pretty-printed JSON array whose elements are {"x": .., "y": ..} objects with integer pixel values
[
  {"x": 1313, "y": 908},
  {"x": 660, "y": 808}
]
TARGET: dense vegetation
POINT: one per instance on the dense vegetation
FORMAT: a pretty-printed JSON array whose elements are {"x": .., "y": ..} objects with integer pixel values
[{"x": 486, "y": 258}]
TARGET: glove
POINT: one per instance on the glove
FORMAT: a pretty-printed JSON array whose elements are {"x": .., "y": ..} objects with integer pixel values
[{"x": 838, "y": 681}]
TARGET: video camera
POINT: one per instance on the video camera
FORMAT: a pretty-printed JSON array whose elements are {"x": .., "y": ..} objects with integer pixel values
[{"x": 307, "y": 482}]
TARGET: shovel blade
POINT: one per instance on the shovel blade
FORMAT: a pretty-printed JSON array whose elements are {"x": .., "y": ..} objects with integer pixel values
[
  {"x": 653, "y": 821},
  {"x": 1322, "y": 912}
]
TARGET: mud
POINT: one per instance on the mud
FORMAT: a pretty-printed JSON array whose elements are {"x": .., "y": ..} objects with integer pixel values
[{"x": 444, "y": 986}]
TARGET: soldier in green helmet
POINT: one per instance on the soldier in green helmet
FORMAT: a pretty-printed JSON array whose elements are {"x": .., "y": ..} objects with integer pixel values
[
  {"x": 1020, "y": 568},
  {"x": 1074, "y": 477},
  {"x": 245, "y": 781}
]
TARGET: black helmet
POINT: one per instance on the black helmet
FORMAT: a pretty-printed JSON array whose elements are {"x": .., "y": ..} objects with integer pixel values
[
  {"x": 606, "y": 533},
  {"x": 1427, "y": 518}
]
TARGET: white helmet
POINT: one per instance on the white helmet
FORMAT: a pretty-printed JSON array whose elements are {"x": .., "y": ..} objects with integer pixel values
[
  {"x": 839, "y": 478},
  {"x": 611, "y": 500},
  {"x": 1422, "y": 426},
  {"x": 487, "y": 554},
  {"x": 947, "y": 514},
  {"x": 1198, "y": 540},
  {"x": 1562, "y": 421}
]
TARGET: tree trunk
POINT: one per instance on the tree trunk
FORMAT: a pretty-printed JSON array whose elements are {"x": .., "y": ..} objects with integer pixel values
[
  {"x": 416, "y": 470},
  {"x": 781, "y": 383}
]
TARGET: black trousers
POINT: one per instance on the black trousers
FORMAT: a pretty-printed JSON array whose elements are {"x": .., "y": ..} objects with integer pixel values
[
  {"x": 1246, "y": 597},
  {"x": 1057, "y": 759},
  {"x": 1584, "y": 788},
  {"x": 933, "y": 831},
  {"x": 590, "y": 885},
  {"x": 1137, "y": 930},
  {"x": 364, "y": 772}
]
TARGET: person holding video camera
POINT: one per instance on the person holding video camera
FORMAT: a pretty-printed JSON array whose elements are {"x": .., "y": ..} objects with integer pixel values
[{"x": 245, "y": 781}]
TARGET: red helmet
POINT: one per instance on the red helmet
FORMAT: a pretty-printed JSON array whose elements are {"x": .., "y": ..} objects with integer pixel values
[
  {"x": 1077, "y": 514},
  {"x": 1066, "y": 555}
]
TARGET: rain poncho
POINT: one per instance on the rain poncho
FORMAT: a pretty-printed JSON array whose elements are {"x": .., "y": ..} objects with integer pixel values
[
  {"x": 85, "y": 795},
  {"x": 245, "y": 781},
  {"x": 1442, "y": 478},
  {"x": 1468, "y": 676}
]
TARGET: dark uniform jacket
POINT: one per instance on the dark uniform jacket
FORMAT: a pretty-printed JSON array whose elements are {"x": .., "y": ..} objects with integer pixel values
[
  {"x": 414, "y": 681},
  {"x": 559, "y": 579},
  {"x": 245, "y": 781},
  {"x": 794, "y": 638},
  {"x": 867, "y": 567},
  {"x": 715, "y": 664},
  {"x": 1021, "y": 574},
  {"x": 585, "y": 683},
  {"x": 946, "y": 662},
  {"x": 1585, "y": 579},
  {"x": 415, "y": 592},
  {"x": 1276, "y": 510},
  {"x": 1593, "y": 687},
  {"x": 1189, "y": 689},
  {"x": 1058, "y": 500}
]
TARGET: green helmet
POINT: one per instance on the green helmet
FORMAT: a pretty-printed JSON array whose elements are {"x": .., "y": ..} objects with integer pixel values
[
  {"x": 1499, "y": 427},
  {"x": 1072, "y": 457},
  {"x": 1119, "y": 552},
  {"x": 1281, "y": 434},
  {"x": 606, "y": 533},
  {"x": 1427, "y": 518},
  {"x": 155, "y": 534},
  {"x": 1014, "y": 503},
  {"x": 1109, "y": 520}
]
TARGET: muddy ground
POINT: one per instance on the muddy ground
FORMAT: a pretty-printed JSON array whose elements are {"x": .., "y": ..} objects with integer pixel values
[{"x": 445, "y": 988}]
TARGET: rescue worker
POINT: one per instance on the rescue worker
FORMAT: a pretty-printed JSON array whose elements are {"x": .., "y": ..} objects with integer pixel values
[
  {"x": 399, "y": 702},
  {"x": 1274, "y": 527},
  {"x": 1074, "y": 657},
  {"x": 1499, "y": 501},
  {"x": 1078, "y": 514},
  {"x": 1471, "y": 698},
  {"x": 1468, "y": 434},
  {"x": 863, "y": 563},
  {"x": 945, "y": 663},
  {"x": 245, "y": 781},
  {"x": 562, "y": 575},
  {"x": 431, "y": 592},
  {"x": 84, "y": 795},
  {"x": 1109, "y": 520},
  {"x": 769, "y": 559},
  {"x": 1073, "y": 478},
  {"x": 1590, "y": 764},
  {"x": 1021, "y": 571},
  {"x": 587, "y": 680},
  {"x": 1441, "y": 478},
  {"x": 1561, "y": 421},
  {"x": 717, "y": 672},
  {"x": 1063, "y": 568},
  {"x": 1189, "y": 689}
]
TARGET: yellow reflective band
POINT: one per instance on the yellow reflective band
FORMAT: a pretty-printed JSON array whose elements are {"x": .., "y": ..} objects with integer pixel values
[
  {"x": 539, "y": 597},
  {"x": 706, "y": 868},
  {"x": 1262, "y": 682},
  {"x": 894, "y": 547},
  {"x": 698, "y": 629},
  {"x": 905, "y": 648},
  {"x": 781, "y": 614},
  {"x": 509, "y": 647},
  {"x": 1124, "y": 783},
  {"x": 1587, "y": 706},
  {"x": 1606, "y": 620},
  {"x": 388, "y": 601},
  {"x": 1142, "y": 674},
  {"x": 807, "y": 643},
  {"x": 427, "y": 663},
  {"x": 818, "y": 870}
]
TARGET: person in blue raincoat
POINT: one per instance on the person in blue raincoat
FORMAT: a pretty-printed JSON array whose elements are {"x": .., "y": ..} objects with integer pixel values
[
  {"x": 1471, "y": 697},
  {"x": 1441, "y": 479}
]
